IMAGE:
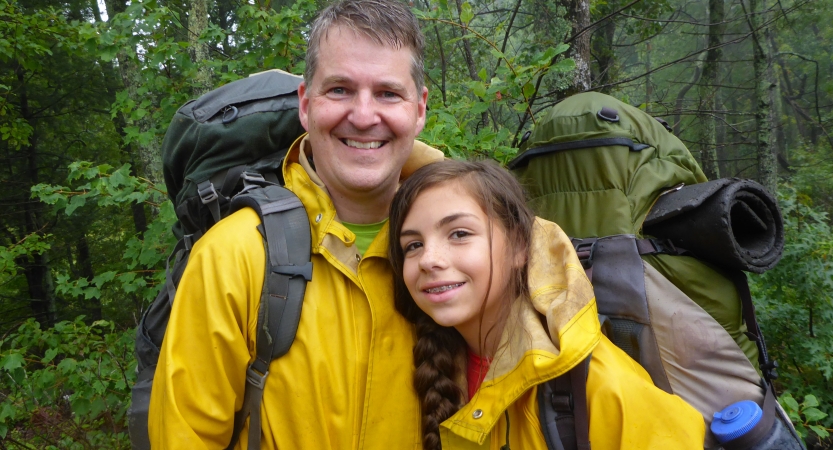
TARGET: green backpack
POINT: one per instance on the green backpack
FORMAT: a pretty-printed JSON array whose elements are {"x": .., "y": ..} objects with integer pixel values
[
  {"x": 662, "y": 247},
  {"x": 223, "y": 152}
]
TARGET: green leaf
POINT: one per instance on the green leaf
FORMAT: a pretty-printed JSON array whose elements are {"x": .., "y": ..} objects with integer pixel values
[
  {"x": 820, "y": 431},
  {"x": 466, "y": 13},
  {"x": 75, "y": 203},
  {"x": 479, "y": 89},
  {"x": 49, "y": 355},
  {"x": 788, "y": 402},
  {"x": 483, "y": 74},
  {"x": 565, "y": 65},
  {"x": 810, "y": 401},
  {"x": 12, "y": 361},
  {"x": 479, "y": 107},
  {"x": 529, "y": 89},
  {"x": 814, "y": 415}
]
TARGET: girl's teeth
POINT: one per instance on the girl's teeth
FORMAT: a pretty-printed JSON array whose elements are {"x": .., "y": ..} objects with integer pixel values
[{"x": 443, "y": 288}]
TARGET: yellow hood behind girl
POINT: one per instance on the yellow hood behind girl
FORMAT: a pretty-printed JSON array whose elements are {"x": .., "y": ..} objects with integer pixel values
[{"x": 544, "y": 339}]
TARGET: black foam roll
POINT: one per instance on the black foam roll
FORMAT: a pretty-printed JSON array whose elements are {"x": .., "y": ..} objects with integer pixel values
[{"x": 729, "y": 222}]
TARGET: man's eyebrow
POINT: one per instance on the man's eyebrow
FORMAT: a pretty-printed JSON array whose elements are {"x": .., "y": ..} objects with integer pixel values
[
  {"x": 334, "y": 79},
  {"x": 392, "y": 86}
]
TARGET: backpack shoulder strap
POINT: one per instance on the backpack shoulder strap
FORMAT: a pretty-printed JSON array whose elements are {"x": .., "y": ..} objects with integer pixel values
[
  {"x": 286, "y": 234},
  {"x": 562, "y": 410}
]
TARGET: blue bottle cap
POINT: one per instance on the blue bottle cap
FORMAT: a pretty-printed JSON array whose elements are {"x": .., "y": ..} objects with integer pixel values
[{"x": 735, "y": 420}]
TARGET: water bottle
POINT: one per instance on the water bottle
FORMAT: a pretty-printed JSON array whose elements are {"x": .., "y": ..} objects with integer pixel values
[{"x": 740, "y": 418}]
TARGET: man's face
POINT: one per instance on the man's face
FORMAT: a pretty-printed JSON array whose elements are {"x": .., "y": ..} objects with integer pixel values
[{"x": 362, "y": 111}]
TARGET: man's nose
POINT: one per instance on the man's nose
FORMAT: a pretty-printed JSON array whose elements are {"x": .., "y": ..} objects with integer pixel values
[{"x": 365, "y": 112}]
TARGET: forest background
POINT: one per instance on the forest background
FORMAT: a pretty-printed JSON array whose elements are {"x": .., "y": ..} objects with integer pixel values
[{"x": 87, "y": 90}]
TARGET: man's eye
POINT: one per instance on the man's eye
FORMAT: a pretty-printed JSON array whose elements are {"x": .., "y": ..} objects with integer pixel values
[
  {"x": 338, "y": 91},
  {"x": 389, "y": 94}
]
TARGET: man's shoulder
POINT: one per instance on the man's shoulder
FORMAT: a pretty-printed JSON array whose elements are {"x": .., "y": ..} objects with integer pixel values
[{"x": 238, "y": 230}]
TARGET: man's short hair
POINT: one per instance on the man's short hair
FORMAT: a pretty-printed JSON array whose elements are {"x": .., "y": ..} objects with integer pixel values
[{"x": 387, "y": 22}]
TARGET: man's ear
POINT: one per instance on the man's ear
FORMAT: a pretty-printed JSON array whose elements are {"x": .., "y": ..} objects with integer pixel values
[
  {"x": 423, "y": 104},
  {"x": 303, "y": 105}
]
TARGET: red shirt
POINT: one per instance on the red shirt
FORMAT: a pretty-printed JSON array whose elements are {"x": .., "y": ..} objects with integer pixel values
[{"x": 476, "y": 372}]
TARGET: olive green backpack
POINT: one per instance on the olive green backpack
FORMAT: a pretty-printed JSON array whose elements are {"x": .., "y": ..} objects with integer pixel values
[{"x": 663, "y": 246}]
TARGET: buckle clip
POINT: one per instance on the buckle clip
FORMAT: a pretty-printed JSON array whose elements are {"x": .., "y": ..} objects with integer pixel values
[
  {"x": 585, "y": 251},
  {"x": 207, "y": 193},
  {"x": 255, "y": 378}
]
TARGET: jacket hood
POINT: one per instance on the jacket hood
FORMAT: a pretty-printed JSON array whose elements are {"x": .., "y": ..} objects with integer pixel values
[{"x": 544, "y": 337}]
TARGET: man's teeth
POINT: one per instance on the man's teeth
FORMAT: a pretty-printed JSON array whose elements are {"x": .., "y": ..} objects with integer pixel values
[
  {"x": 364, "y": 145},
  {"x": 443, "y": 288}
]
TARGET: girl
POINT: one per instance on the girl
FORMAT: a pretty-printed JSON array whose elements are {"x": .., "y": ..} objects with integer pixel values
[{"x": 501, "y": 304}]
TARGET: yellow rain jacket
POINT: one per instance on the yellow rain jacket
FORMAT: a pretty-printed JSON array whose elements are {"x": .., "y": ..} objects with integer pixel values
[
  {"x": 626, "y": 411},
  {"x": 346, "y": 382}
]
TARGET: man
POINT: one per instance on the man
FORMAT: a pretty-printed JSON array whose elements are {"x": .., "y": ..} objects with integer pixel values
[{"x": 346, "y": 381}]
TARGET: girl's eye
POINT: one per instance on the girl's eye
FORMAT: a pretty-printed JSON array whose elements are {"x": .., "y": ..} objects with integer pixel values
[
  {"x": 411, "y": 246},
  {"x": 459, "y": 234}
]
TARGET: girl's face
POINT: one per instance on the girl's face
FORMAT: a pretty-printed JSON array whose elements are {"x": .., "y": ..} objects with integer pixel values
[{"x": 445, "y": 238}]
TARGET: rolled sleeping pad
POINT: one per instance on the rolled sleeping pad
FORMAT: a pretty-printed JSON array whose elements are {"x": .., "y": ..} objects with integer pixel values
[{"x": 729, "y": 222}]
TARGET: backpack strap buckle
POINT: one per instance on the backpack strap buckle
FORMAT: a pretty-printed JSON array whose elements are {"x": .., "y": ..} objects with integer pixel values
[
  {"x": 295, "y": 271},
  {"x": 586, "y": 251},
  {"x": 209, "y": 197},
  {"x": 255, "y": 378}
]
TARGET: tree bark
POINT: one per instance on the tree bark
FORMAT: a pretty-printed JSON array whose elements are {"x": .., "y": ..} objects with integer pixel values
[
  {"x": 605, "y": 56},
  {"x": 197, "y": 23},
  {"x": 578, "y": 13},
  {"x": 85, "y": 269},
  {"x": 764, "y": 89},
  {"x": 150, "y": 157},
  {"x": 35, "y": 267},
  {"x": 469, "y": 57},
  {"x": 708, "y": 92}
]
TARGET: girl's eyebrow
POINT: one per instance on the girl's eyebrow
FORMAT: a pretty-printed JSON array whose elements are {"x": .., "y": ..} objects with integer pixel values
[
  {"x": 444, "y": 221},
  {"x": 451, "y": 218}
]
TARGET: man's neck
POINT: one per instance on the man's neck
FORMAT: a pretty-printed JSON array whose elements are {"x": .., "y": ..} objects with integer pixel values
[{"x": 371, "y": 208}]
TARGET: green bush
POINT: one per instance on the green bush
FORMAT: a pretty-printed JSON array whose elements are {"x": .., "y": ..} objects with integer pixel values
[
  {"x": 793, "y": 303},
  {"x": 66, "y": 387}
]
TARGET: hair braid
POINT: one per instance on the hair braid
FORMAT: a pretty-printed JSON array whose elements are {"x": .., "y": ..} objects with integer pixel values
[{"x": 436, "y": 356}]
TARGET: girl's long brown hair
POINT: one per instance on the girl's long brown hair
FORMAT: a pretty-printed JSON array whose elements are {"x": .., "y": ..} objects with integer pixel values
[{"x": 439, "y": 350}]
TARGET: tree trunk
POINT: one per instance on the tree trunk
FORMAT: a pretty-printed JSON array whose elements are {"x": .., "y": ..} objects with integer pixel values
[
  {"x": 649, "y": 89},
  {"x": 708, "y": 92},
  {"x": 150, "y": 157},
  {"x": 605, "y": 56},
  {"x": 578, "y": 13},
  {"x": 764, "y": 87},
  {"x": 469, "y": 57},
  {"x": 197, "y": 23},
  {"x": 85, "y": 270},
  {"x": 35, "y": 268}
]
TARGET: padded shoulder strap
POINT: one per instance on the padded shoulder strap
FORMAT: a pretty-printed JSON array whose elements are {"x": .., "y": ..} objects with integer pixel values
[
  {"x": 286, "y": 233},
  {"x": 562, "y": 410}
]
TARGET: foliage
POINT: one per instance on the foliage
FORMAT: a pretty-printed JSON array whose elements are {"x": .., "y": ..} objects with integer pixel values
[
  {"x": 481, "y": 114},
  {"x": 797, "y": 317},
  {"x": 805, "y": 415},
  {"x": 66, "y": 387},
  {"x": 140, "y": 269}
]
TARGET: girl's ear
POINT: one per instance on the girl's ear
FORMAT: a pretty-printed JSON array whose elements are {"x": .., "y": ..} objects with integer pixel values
[{"x": 519, "y": 258}]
